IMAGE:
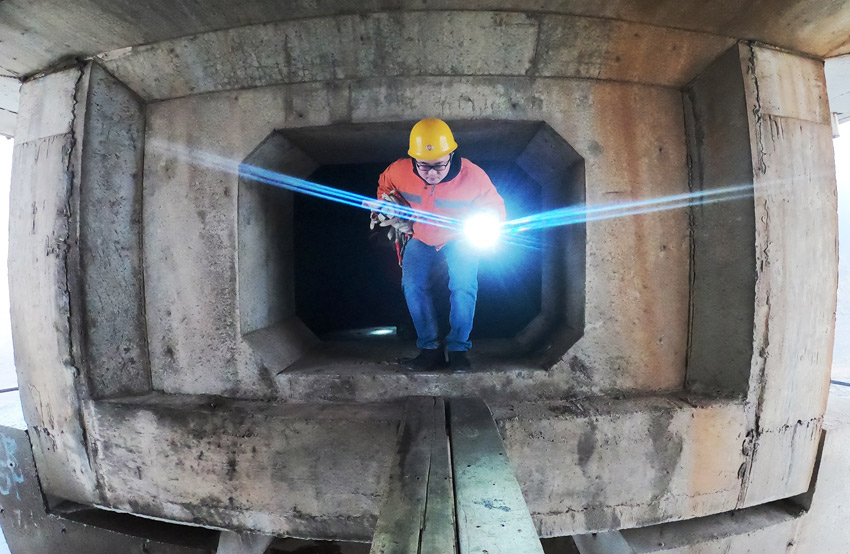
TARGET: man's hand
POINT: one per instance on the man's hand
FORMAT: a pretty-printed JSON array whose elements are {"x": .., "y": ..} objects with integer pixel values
[{"x": 388, "y": 218}]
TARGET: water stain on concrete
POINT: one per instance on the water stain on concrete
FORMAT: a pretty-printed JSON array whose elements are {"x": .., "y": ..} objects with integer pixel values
[
  {"x": 667, "y": 448},
  {"x": 587, "y": 446}
]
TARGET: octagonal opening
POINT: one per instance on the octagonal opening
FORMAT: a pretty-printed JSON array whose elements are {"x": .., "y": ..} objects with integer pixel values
[{"x": 314, "y": 283}]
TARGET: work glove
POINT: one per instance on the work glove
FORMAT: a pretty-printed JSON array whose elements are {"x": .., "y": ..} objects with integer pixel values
[{"x": 396, "y": 225}]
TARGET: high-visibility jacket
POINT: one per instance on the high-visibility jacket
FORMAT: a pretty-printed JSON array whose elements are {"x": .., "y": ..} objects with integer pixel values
[{"x": 467, "y": 189}]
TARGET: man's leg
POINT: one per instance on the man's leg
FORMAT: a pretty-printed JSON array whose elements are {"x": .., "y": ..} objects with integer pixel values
[
  {"x": 416, "y": 283},
  {"x": 462, "y": 262}
]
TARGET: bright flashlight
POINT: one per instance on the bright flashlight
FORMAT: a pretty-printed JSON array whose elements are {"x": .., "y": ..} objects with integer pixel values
[{"x": 483, "y": 229}]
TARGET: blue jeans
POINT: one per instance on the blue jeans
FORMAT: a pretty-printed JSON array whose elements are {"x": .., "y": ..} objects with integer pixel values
[{"x": 417, "y": 266}]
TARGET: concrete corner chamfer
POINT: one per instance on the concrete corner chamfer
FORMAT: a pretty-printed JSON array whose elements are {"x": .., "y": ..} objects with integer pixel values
[{"x": 542, "y": 163}]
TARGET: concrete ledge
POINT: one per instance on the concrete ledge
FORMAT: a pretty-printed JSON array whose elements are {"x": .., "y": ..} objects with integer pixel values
[
  {"x": 494, "y": 43},
  {"x": 302, "y": 470},
  {"x": 598, "y": 464},
  {"x": 30, "y": 529},
  {"x": 318, "y": 470}
]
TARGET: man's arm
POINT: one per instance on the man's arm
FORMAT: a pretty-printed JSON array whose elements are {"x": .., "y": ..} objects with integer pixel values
[
  {"x": 489, "y": 199},
  {"x": 385, "y": 184}
]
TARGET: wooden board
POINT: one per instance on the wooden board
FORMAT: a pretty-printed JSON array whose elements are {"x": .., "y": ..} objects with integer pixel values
[
  {"x": 438, "y": 536},
  {"x": 492, "y": 516},
  {"x": 402, "y": 515}
]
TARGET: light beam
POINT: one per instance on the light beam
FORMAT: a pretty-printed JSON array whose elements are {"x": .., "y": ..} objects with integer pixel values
[{"x": 513, "y": 231}]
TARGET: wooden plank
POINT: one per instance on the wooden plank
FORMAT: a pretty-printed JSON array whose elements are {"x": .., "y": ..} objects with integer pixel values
[
  {"x": 492, "y": 516},
  {"x": 402, "y": 515},
  {"x": 438, "y": 536}
]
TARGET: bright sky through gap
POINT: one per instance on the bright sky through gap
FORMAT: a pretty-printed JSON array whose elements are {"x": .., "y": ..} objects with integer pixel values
[
  {"x": 8, "y": 379},
  {"x": 841, "y": 352}
]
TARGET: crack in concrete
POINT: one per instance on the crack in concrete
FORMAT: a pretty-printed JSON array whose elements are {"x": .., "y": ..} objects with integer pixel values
[
  {"x": 424, "y": 515},
  {"x": 5, "y": 72},
  {"x": 691, "y": 151},
  {"x": 751, "y": 69},
  {"x": 74, "y": 143},
  {"x": 629, "y": 505},
  {"x": 534, "y": 65},
  {"x": 69, "y": 169},
  {"x": 142, "y": 264},
  {"x": 761, "y": 343}
]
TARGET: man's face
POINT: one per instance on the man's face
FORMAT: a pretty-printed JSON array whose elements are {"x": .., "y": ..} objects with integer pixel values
[{"x": 434, "y": 171}]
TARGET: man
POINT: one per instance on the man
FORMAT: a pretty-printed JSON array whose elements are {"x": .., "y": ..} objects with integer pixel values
[{"x": 435, "y": 180}]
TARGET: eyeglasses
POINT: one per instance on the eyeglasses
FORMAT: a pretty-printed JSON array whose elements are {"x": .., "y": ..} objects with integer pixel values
[{"x": 425, "y": 168}]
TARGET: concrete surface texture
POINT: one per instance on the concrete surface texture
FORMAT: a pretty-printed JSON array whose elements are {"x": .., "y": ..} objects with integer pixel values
[
  {"x": 42, "y": 337},
  {"x": 624, "y": 355},
  {"x": 30, "y": 529},
  {"x": 809, "y": 523},
  {"x": 697, "y": 386},
  {"x": 48, "y": 34}
]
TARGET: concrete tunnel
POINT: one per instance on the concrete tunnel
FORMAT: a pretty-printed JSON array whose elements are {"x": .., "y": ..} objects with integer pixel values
[
  {"x": 183, "y": 332},
  {"x": 299, "y": 271}
]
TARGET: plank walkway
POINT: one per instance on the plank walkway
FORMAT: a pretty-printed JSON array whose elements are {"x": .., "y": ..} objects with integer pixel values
[{"x": 452, "y": 489}]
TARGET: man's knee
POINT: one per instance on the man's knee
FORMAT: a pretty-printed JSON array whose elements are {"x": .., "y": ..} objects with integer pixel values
[
  {"x": 463, "y": 282},
  {"x": 414, "y": 282}
]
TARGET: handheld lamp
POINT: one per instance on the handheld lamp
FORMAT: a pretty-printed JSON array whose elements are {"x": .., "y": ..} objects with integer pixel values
[{"x": 483, "y": 229}]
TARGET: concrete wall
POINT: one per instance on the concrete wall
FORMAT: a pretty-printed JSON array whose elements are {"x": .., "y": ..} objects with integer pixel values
[
  {"x": 796, "y": 266},
  {"x": 266, "y": 242},
  {"x": 788, "y": 159},
  {"x": 28, "y": 527},
  {"x": 190, "y": 260},
  {"x": 52, "y": 386},
  {"x": 107, "y": 266},
  {"x": 587, "y": 466},
  {"x": 74, "y": 262},
  {"x": 297, "y": 470},
  {"x": 723, "y": 259}
]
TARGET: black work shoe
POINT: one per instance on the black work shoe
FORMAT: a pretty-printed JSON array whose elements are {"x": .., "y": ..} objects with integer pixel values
[
  {"x": 427, "y": 360},
  {"x": 458, "y": 361}
]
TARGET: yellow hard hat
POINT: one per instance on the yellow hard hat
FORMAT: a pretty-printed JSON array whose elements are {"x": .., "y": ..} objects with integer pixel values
[{"x": 431, "y": 139}]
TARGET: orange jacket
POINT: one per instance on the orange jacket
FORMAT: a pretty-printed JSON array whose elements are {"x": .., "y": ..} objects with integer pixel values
[{"x": 468, "y": 191}]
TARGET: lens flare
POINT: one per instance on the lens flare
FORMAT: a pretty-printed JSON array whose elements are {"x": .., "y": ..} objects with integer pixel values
[
  {"x": 280, "y": 180},
  {"x": 581, "y": 214},
  {"x": 483, "y": 230}
]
